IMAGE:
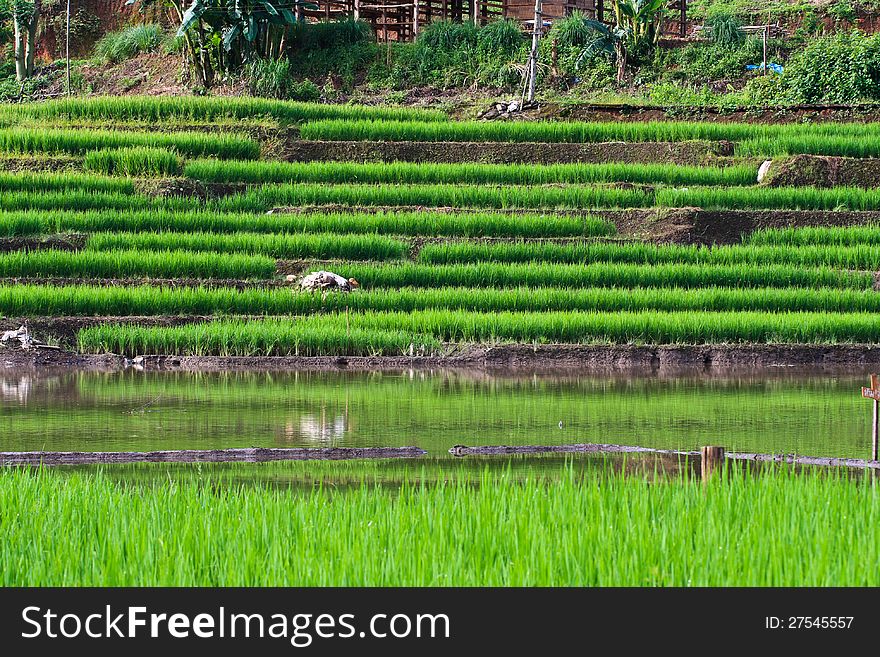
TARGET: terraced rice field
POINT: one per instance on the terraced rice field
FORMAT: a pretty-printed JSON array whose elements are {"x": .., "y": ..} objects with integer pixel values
[{"x": 206, "y": 218}]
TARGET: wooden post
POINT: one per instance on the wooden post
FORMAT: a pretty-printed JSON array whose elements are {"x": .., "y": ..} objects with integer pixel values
[
  {"x": 766, "y": 35},
  {"x": 875, "y": 426},
  {"x": 712, "y": 458},
  {"x": 357, "y": 10},
  {"x": 682, "y": 23},
  {"x": 533, "y": 56},
  {"x": 415, "y": 30}
]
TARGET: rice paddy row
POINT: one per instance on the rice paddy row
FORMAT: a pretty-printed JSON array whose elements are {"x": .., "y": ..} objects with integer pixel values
[
  {"x": 428, "y": 224},
  {"x": 204, "y": 109},
  {"x": 368, "y": 333},
  {"x": 68, "y": 191},
  {"x": 264, "y": 535},
  {"x": 99, "y": 300},
  {"x": 79, "y": 141},
  {"x": 848, "y": 139}
]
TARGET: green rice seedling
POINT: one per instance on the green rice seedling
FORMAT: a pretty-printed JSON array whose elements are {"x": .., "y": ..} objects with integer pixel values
[
  {"x": 245, "y": 534},
  {"x": 316, "y": 245},
  {"x": 248, "y": 338},
  {"x": 459, "y": 326},
  {"x": 789, "y": 198},
  {"x": 859, "y": 256},
  {"x": 487, "y": 274},
  {"x": 52, "y": 182},
  {"x": 438, "y": 173},
  {"x": 206, "y": 109},
  {"x": 817, "y": 235},
  {"x": 92, "y": 300},
  {"x": 133, "y": 162},
  {"x": 121, "y": 264},
  {"x": 793, "y": 144},
  {"x": 267, "y": 197},
  {"x": 452, "y": 224},
  {"x": 82, "y": 199},
  {"x": 76, "y": 141},
  {"x": 574, "y": 132}
]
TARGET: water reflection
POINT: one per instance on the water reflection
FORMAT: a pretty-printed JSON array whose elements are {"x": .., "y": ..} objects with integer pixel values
[{"x": 434, "y": 409}]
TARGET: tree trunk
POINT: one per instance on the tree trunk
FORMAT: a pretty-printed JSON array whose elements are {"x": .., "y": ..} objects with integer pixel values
[
  {"x": 32, "y": 39},
  {"x": 620, "y": 51}
]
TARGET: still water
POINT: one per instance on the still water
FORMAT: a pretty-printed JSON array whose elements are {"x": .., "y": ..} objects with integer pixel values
[{"x": 823, "y": 416}]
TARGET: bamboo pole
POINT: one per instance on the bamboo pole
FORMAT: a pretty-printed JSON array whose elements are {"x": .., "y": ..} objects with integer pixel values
[{"x": 711, "y": 461}]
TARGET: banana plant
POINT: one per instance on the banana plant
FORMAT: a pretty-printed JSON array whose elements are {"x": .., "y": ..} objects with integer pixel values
[{"x": 635, "y": 33}]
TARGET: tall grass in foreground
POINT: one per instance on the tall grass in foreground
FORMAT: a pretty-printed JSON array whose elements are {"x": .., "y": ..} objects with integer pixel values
[
  {"x": 134, "y": 162},
  {"x": 451, "y": 224},
  {"x": 273, "y": 336},
  {"x": 76, "y": 141},
  {"x": 205, "y": 109},
  {"x": 122, "y": 264},
  {"x": 488, "y": 274},
  {"x": 501, "y": 174},
  {"x": 859, "y": 256},
  {"x": 33, "y": 300},
  {"x": 583, "y": 132},
  {"x": 807, "y": 529},
  {"x": 315, "y": 245},
  {"x": 463, "y": 196}
]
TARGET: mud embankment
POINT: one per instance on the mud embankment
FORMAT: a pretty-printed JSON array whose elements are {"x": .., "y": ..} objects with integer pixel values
[
  {"x": 599, "y": 359},
  {"x": 689, "y": 152}
]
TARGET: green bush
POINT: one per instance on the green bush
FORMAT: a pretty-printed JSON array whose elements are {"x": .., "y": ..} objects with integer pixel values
[
  {"x": 118, "y": 46},
  {"x": 449, "y": 54},
  {"x": 841, "y": 68},
  {"x": 725, "y": 26},
  {"x": 572, "y": 36},
  {"x": 269, "y": 78}
]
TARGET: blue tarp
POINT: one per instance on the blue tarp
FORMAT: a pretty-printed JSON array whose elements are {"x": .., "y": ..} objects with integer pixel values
[{"x": 776, "y": 68}]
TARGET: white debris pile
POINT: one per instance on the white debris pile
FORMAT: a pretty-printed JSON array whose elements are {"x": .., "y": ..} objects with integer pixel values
[
  {"x": 327, "y": 281},
  {"x": 22, "y": 335}
]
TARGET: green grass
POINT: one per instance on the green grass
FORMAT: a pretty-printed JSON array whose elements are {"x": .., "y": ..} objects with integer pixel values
[
  {"x": 78, "y": 141},
  {"x": 435, "y": 173},
  {"x": 859, "y": 256},
  {"x": 205, "y": 109},
  {"x": 817, "y": 235},
  {"x": 227, "y": 337},
  {"x": 272, "y": 337},
  {"x": 44, "y": 300},
  {"x": 783, "y": 198},
  {"x": 462, "y": 196},
  {"x": 126, "y": 263},
  {"x": 808, "y": 529},
  {"x": 600, "y": 275},
  {"x": 115, "y": 47},
  {"x": 299, "y": 246},
  {"x": 867, "y": 145},
  {"x": 450, "y": 224},
  {"x": 134, "y": 162},
  {"x": 82, "y": 200},
  {"x": 583, "y": 132},
  {"x": 40, "y": 183}
]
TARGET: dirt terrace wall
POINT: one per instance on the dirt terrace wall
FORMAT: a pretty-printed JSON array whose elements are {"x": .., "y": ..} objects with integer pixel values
[
  {"x": 692, "y": 152},
  {"x": 824, "y": 171}
]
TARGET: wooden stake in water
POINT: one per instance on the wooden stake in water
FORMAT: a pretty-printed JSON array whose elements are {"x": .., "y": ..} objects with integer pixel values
[
  {"x": 873, "y": 393},
  {"x": 712, "y": 458}
]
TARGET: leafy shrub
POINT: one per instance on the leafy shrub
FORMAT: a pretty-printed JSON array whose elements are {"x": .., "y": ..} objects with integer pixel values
[
  {"x": 118, "y": 46},
  {"x": 573, "y": 37},
  {"x": 269, "y": 78},
  {"x": 448, "y": 54},
  {"x": 725, "y": 26},
  {"x": 840, "y": 68}
]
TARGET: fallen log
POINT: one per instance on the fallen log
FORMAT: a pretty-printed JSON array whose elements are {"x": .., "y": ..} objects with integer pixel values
[
  {"x": 243, "y": 455},
  {"x": 603, "y": 448}
]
